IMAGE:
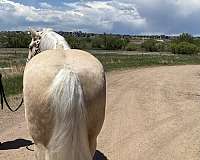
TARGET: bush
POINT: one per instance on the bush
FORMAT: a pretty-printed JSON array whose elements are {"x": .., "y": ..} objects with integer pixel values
[
  {"x": 163, "y": 47},
  {"x": 131, "y": 47},
  {"x": 184, "y": 48},
  {"x": 149, "y": 45},
  {"x": 98, "y": 43},
  {"x": 114, "y": 43}
]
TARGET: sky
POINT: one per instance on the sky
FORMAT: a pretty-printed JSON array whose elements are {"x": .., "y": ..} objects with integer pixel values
[{"x": 99, "y": 16}]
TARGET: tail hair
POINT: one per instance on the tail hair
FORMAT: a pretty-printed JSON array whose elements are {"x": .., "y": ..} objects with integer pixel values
[{"x": 69, "y": 138}]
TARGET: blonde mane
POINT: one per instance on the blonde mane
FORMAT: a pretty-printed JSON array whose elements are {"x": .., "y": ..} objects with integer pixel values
[
  {"x": 52, "y": 40},
  {"x": 45, "y": 40}
]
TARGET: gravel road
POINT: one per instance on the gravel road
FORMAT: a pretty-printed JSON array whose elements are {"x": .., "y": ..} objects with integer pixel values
[{"x": 151, "y": 114}]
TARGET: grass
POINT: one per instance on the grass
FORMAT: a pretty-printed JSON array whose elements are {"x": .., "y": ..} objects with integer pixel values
[
  {"x": 111, "y": 60},
  {"x": 12, "y": 56},
  {"x": 13, "y": 85},
  {"x": 12, "y": 78}
]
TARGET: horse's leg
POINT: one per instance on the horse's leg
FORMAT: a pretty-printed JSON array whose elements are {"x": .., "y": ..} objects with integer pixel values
[
  {"x": 39, "y": 152},
  {"x": 93, "y": 145}
]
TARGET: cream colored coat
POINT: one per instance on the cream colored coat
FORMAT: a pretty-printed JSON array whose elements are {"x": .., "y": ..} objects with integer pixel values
[{"x": 40, "y": 110}]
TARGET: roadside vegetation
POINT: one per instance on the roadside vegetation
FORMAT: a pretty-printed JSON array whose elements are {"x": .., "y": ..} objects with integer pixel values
[
  {"x": 12, "y": 76},
  {"x": 115, "y": 52},
  {"x": 183, "y": 44},
  {"x": 13, "y": 84}
]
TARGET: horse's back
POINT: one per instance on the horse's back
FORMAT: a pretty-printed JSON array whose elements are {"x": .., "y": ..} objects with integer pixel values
[
  {"x": 41, "y": 70},
  {"x": 78, "y": 60}
]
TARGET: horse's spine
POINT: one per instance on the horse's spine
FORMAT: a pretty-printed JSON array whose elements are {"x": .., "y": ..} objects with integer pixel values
[{"x": 69, "y": 138}]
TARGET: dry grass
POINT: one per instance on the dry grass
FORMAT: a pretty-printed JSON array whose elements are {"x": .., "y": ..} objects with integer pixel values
[{"x": 12, "y": 70}]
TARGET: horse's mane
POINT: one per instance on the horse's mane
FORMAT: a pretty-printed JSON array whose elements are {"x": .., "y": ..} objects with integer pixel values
[
  {"x": 52, "y": 40},
  {"x": 45, "y": 40}
]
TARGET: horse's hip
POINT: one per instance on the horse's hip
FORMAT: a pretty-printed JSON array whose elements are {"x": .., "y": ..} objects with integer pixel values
[{"x": 38, "y": 78}]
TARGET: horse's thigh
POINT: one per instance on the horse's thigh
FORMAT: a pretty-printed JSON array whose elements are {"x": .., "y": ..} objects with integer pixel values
[{"x": 40, "y": 120}]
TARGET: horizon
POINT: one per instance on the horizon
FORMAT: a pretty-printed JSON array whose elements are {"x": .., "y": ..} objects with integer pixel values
[
  {"x": 124, "y": 17},
  {"x": 147, "y": 34}
]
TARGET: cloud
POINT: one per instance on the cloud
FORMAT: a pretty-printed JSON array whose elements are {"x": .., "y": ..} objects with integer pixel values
[
  {"x": 45, "y": 5},
  {"x": 169, "y": 16},
  {"x": 90, "y": 16},
  {"x": 111, "y": 16}
]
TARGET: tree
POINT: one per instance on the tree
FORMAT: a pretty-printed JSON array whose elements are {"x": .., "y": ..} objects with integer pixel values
[
  {"x": 98, "y": 42},
  {"x": 185, "y": 37},
  {"x": 114, "y": 43}
]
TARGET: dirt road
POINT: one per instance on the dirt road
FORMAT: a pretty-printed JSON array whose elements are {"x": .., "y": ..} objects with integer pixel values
[{"x": 152, "y": 114}]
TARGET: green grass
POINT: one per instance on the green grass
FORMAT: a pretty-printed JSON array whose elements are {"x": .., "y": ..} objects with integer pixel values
[
  {"x": 13, "y": 85},
  {"x": 113, "y": 61}
]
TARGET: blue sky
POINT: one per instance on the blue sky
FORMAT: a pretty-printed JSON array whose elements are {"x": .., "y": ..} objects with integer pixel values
[
  {"x": 99, "y": 16},
  {"x": 36, "y": 3}
]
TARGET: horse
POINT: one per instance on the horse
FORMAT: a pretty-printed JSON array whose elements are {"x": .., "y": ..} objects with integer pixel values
[{"x": 65, "y": 98}]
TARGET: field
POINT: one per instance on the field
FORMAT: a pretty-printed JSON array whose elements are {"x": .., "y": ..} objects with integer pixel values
[{"x": 12, "y": 62}]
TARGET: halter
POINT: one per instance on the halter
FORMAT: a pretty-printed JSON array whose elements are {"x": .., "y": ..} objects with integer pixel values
[{"x": 36, "y": 45}]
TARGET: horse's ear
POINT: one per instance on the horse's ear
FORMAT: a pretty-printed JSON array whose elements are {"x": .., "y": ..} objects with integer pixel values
[{"x": 33, "y": 32}]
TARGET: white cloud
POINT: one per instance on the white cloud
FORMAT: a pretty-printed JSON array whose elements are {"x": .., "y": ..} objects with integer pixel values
[
  {"x": 169, "y": 16},
  {"x": 187, "y": 7},
  {"x": 45, "y": 5},
  {"x": 122, "y": 16},
  {"x": 85, "y": 15}
]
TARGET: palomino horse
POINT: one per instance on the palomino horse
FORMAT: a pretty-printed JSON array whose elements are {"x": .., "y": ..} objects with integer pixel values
[{"x": 65, "y": 96}]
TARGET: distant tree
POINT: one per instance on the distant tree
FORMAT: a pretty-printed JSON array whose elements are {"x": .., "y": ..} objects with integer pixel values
[
  {"x": 73, "y": 41},
  {"x": 114, "y": 43},
  {"x": 97, "y": 42},
  {"x": 185, "y": 37},
  {"x": 15, "y": 39}
]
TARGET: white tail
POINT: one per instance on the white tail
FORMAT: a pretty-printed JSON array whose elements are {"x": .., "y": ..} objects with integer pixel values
[{"x": 69, "y": 138}]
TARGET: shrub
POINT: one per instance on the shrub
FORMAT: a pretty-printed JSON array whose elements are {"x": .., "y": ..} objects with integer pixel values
[
  {"x": 114, "y": 43},
  {"x": 98, "y": 43},
  {"x": 149, "y": 45},
  {"x": 184, "y": 48},
  {"x": 131, "y": 47}
]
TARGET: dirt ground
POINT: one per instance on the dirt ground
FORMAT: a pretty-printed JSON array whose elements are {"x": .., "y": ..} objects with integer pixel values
[{"x": 152, "y": 114}]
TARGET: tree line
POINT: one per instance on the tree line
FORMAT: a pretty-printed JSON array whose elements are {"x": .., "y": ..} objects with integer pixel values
[{"x": 183, "y": 44}]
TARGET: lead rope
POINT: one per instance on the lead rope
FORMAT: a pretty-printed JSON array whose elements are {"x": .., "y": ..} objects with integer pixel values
[{"x": 3, "y": 98}]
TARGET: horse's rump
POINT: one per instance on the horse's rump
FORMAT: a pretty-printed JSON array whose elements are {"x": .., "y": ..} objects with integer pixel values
[{"x": 64, "y": 93}]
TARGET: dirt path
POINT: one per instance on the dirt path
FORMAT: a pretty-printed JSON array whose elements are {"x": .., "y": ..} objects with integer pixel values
[{"x": 152, "y": 114}]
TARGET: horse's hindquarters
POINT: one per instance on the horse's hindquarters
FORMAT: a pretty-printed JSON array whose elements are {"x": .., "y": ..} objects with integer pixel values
[{"x": 41, "y": 112}]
